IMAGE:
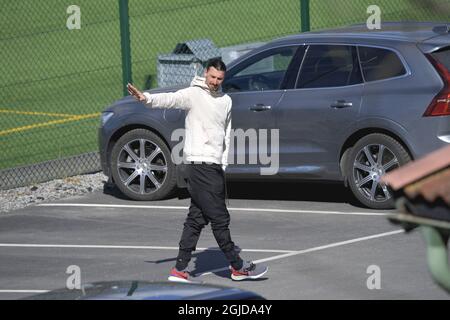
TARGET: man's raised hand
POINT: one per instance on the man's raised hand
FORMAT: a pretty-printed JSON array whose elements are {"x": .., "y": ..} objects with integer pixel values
[{"x": 133, "y": 91}]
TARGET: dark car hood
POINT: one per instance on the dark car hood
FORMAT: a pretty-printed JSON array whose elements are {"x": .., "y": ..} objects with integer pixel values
[{"x": 143, "y": 290}]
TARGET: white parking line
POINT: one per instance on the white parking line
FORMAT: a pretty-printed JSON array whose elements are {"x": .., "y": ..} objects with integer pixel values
[
  {"x": 24, "y": 291},
  {"x": 295, "y": 253},
  {"x": 35, "y": 245},
  {"x": 286, "y": 253},
  {"x": 30, "y": 245},
  {"x": 93, "y": 205}
]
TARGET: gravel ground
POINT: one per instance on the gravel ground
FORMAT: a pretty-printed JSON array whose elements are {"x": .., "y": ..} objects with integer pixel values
[{"x": 18, "y": 198}]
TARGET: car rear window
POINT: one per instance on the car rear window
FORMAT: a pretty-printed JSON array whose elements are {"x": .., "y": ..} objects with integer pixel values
[
  {"x": 380, "y": 64},
  {"x": 443, "y": 56}
]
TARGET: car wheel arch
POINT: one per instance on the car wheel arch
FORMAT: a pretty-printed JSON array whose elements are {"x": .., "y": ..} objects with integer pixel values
[{"x": 356, "y": 136}]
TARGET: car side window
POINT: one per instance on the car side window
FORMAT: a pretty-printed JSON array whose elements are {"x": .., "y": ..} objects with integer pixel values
[
  {"x": 265, "y": 71},
  {"x": 379, "y": 64},
  {"x": 329, "y": 66}
]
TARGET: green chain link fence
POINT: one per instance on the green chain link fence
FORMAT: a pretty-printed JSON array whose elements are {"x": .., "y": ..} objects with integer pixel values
[
  {"x": 54, "y": 84},
  {"x": 331, "y": 13},
  {"x": 55, "y": 80}
]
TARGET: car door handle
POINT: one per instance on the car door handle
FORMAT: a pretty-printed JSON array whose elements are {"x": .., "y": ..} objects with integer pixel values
[
  {"x": 260, "y": 107},
  {"x": 341, "y": 104}
]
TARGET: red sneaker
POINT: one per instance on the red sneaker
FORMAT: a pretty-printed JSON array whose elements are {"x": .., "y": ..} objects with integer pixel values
[
  {"x": 179, "y": 276},
  {"x": 252, "y": 271}
]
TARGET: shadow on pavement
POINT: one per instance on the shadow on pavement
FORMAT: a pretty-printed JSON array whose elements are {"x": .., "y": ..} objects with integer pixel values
[
  {"x": 290, "y": 191},
  {"x": 205, "y": 261},
  {"x": 321, "y": 192}
]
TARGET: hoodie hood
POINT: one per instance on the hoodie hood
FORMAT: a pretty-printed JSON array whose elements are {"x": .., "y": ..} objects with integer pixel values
[
  {"x": 201, "y": 82},
  {"x": 207, "y": 122}
]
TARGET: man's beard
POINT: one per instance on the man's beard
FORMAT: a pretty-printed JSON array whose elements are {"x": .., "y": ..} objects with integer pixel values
[{"x": 213, "y": 88}]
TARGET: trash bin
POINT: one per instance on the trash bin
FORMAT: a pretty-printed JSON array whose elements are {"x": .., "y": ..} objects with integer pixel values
[{"x": 187, "y": 60}]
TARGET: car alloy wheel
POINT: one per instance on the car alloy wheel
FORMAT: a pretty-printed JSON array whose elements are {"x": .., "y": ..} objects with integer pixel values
[
  {"x": 142, "y": 166},
  {"x": 371, "y": 163},
  {"x": 370, "y": 158}
]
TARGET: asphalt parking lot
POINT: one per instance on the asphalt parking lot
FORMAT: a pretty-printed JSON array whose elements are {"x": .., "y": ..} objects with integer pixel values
[{"x": 317, "y": 242}]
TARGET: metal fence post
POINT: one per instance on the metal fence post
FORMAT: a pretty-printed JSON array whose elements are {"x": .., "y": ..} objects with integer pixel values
[
  {"x": 304, "y": 15},
  {"x": 125, "y": 44}
]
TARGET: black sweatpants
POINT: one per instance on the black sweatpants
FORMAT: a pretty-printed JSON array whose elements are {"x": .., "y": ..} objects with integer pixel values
[{"x": 206, "y": 185}]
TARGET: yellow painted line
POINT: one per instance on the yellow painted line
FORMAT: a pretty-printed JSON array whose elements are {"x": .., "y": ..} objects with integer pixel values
[
  {"x": 34, "y": 113},
  {"x": 49, "y": 123}
]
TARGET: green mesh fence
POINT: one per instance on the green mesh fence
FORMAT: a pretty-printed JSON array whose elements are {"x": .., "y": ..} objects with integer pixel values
[
  {"x": 156, "y": 26},
  {"x": 54, "y": 82},
  {"x": 331, "y": 13}
]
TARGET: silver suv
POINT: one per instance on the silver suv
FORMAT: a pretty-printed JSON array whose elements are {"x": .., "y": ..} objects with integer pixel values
[{"x": 349, "y": 104}]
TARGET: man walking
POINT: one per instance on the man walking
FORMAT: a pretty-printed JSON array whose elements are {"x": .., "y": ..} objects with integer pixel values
[{"x": 207, "y": 141}]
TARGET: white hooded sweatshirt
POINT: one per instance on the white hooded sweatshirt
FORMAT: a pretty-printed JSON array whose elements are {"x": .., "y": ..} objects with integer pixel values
[{"x": 208, "y": 120}]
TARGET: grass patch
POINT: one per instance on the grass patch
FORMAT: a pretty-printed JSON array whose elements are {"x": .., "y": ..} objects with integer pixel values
[{"x": 47, "y": 68}]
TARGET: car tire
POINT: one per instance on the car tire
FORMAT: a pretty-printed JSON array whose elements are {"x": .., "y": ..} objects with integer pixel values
[
  {"x": 364, "y": 168},
  {"x": 141, "y": 166}
]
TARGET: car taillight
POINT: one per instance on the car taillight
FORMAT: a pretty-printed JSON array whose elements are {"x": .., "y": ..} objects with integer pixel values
[{"x": 440, "y": 106}]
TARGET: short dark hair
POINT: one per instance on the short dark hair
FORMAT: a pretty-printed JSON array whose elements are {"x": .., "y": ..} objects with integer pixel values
[{"x": 216, "y": 63}]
